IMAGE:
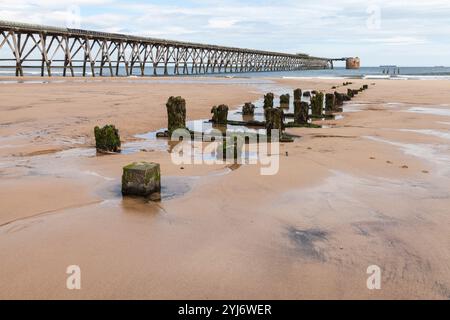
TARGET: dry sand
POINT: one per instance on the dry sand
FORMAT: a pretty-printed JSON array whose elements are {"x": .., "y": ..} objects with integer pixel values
[{"x": 370, "y": 189}]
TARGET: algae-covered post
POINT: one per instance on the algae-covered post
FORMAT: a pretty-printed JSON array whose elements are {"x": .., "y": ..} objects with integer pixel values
[
  {"x": 317, "y": 105},
  {"x": 142, "y": 179},
  {"x": 301, "y": 112},
  {"x": 274, "y": 120},
  {"x": 350, "y": 93},
  {"x": 107, "y": 139},
  {"x": 330, "y": 102},
  {"x": 176, "y": 112},
  {"x": 297, "y": 94},
  {"x": 231, "y": 148},
  {"x": 220, "y": 114},
  {"x": 339, "y": 99},
  {"x": 285, "y": 100},
  {"x": 268, "y": 100},
  {"x": 248, "y": 109}
]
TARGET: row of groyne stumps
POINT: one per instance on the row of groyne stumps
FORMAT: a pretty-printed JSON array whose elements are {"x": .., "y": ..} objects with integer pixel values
[{"x": 143, "y": 179}]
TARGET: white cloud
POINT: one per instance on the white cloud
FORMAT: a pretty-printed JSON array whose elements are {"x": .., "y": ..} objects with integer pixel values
[
  {"x": 398, "y": 41},
  {"x": 221, "y": 23}
]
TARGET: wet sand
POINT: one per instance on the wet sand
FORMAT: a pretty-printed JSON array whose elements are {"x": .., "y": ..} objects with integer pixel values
[{"x": 369, "y": 189}]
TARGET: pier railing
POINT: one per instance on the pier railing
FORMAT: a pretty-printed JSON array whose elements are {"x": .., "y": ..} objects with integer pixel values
[{"x": 52, "y": 51}]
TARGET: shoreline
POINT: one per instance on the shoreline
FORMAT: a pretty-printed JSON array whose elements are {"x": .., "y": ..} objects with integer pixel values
[{"x": 220, "y": 76}]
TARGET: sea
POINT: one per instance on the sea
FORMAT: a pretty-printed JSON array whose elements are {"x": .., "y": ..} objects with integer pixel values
[{"x": 392, "y": 73}]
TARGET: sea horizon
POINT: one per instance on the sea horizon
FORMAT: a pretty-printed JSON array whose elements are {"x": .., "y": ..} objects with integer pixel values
[{"x": 397, "y": 73}]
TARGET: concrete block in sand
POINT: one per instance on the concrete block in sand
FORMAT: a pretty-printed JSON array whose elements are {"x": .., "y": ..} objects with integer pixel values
[{"x": 142, "y": 179}]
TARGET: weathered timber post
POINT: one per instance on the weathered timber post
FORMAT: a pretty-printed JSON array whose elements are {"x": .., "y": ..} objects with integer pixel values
[
  {"x": 176, "y": 112},
  {"x": 232, "y": 147},
  {"x": 330, "y": 102},
  {"x": 301, "y": 112},
  {"x": 339, "y": 98},
  {"x": 285, "y": 100},
  {"x": 248, "y": 109},
  {"x": 107, "y": 139},
  {"x": 317, "y": 105},
  {"x": 350, "y": 93},
  {"x": 274, "y": 121},
  {"x": 220, "y": 114},
  {"x": 365, "y": 87},
  {"x": 297, "y": 94},
  {"x": 268, "y": 100},
  {"x": 142, "y": 179}
]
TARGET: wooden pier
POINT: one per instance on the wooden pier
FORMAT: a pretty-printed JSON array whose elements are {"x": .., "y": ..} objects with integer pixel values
[{"x": 51, "y": 51}]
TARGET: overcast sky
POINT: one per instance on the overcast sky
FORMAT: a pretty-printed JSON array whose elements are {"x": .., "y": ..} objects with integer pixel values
[{"x": 402, "y": 32}]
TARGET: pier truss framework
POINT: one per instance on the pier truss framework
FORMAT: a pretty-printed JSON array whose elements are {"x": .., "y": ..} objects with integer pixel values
[{"x": 72, "y": 52}]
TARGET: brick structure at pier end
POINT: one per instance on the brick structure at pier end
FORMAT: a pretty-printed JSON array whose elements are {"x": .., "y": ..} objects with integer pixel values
[{"x": 353, "y": 63}]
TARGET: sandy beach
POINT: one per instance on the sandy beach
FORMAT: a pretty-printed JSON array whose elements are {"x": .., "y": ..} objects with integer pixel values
[{"x": 369, "y": 188}]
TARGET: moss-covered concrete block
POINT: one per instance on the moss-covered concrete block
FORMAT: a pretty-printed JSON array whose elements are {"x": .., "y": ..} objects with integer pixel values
[
  {"x": 301, "y": 112},
  {"x": 220, "y": 114},
  {"x": 268, "y": 100},
  {"x": 317, "y": 104},
  {"x": 142, "y": 179},
  {"x": 107, "y": 139},
  {"x": 248, "y": 109},
  {"x": 176, "y": 113}
]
